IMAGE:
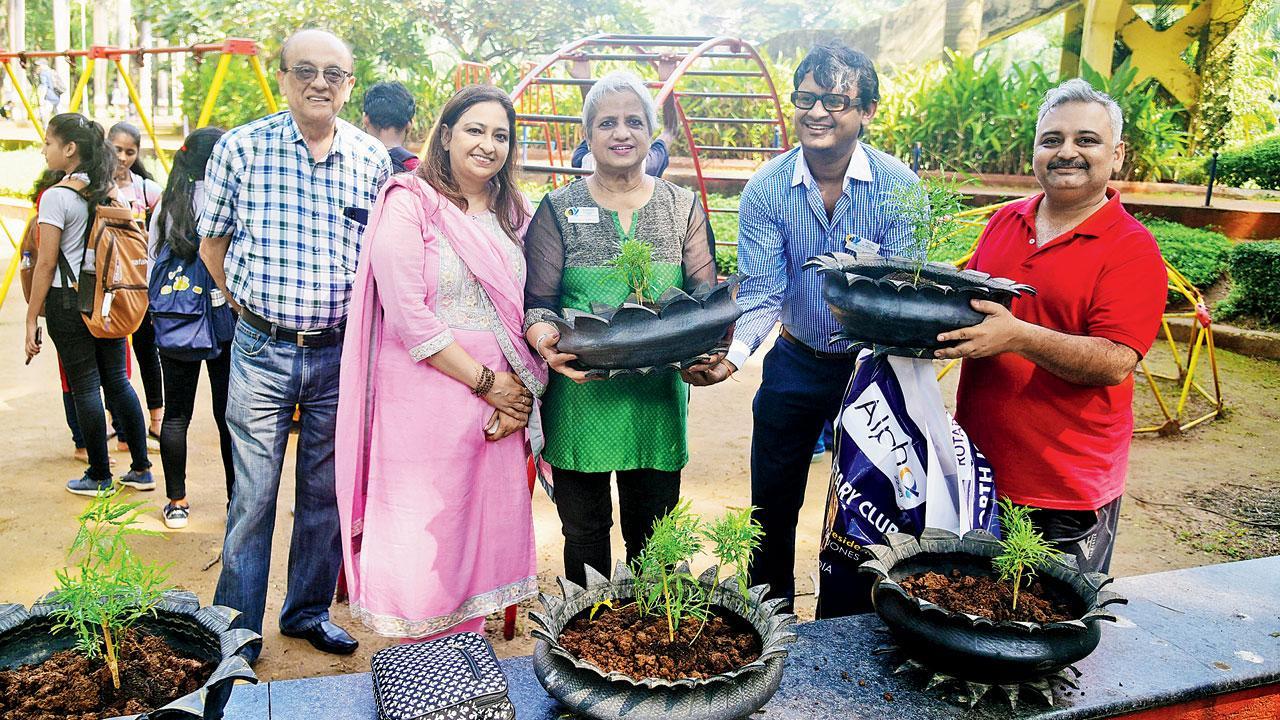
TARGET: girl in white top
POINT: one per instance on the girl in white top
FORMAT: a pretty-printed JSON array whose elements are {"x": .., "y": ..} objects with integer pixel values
[{"x": 136, "y": 188}]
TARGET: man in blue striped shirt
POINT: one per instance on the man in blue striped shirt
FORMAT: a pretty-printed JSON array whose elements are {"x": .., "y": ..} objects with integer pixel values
[{"x": 827, "y": 195}]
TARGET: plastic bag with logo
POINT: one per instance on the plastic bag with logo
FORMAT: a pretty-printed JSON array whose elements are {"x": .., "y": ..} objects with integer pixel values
[{"x": 901, "y": 464}]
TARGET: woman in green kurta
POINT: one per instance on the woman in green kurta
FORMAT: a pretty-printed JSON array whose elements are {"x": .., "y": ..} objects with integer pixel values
[{"x": 631, "y": 425}]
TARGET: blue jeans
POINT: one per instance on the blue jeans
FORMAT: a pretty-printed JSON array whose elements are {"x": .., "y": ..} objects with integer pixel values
[{"x": 268, "y": 378}]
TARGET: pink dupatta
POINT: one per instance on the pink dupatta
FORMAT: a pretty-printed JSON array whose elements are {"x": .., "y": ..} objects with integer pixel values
[{"x": 363, "y": 338}]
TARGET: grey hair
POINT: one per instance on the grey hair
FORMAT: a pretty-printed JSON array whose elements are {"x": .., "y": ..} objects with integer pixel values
[
  {"x": 617, "y": 82},
  {"x": 1079, "y": 90}
]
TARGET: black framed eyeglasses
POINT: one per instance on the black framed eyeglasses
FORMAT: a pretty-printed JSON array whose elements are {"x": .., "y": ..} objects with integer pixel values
[
  {"x": 335, "y": 76},
  {"x": 832, "y": 102}
]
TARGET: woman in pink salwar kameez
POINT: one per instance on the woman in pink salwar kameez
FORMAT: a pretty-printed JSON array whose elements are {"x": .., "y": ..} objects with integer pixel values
[{"x": 438, "y": 387}]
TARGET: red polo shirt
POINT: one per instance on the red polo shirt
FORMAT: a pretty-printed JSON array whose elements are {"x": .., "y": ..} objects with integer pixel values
[{"x": 1052, "y": 443}]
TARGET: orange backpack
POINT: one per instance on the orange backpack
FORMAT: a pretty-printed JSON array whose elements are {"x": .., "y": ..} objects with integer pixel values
[{"x": 113, "y": 293}]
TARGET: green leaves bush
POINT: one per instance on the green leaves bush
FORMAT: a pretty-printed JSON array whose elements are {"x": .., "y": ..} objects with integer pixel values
[
  {"x": 1258, "y": 163},
  {"x": 976, "y": 116},
  {"x": 1255, "y": 282},
  {"x": 1200, "y": 255}
]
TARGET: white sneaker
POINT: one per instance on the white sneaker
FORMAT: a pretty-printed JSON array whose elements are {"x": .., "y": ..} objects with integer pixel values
[{"x": 175, "y": 517}]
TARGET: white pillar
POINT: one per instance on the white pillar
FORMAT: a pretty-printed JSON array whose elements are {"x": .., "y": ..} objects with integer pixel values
[
  {"x": 146, "y": 67},
  {"x": 62, "y": 41},
  {"x": 17, "y": 25},
  {"x": 101, "y": 36}
]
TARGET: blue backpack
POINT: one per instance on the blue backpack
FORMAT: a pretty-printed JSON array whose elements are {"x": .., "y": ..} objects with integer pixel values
[{"x": 188, "y": 326}]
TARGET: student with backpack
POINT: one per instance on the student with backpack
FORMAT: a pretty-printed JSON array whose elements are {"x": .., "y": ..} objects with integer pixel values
[
  {"x": 388, "y": 112},
  {"x": 79, "y": 230},
  {"x": 193, "y": 322},
  {"x": 136, "y": 189}
]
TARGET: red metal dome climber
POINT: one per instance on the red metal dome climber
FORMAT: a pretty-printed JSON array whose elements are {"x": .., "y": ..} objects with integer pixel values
[{"x": 679, "y": 63}]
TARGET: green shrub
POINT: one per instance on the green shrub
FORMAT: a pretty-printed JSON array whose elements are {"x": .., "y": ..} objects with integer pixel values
[
  {"x": 1255, "y": 282},
  {"x": 1259, "y": 163},
  {"x": 726, "y": 260},
  {"x": 1200, "y": 255}
]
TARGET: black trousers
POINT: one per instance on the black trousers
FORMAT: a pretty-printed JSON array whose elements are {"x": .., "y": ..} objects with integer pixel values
[
  {"x": 798, "y": 394},
  {"x": 1088, "y": 535},
  {"x": 586, "y": 514},
  {"x": 181, "y": 379},
  {"x": 144, "y": 348},
  {"x": 95, "y": 366}
]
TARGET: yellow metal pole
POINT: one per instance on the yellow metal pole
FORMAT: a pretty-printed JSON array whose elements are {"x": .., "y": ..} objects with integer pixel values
[
  {"x": 77, "y": 95},
  {"x": 219, "y": 75},
  {"x": 1191, "y": 370},
  {"x": 31, "y": 112},
  {"x": 261, "y": 75},
  {"x": 12, "y": 270},
  {"x": 142, "y": 114},
  {"x": 946, "y": 369}
]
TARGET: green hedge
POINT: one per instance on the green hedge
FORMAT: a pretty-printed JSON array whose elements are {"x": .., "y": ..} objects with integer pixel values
[
  {"x": 1255, "y": 282},
  {"x": 1200, "y": 255},
  {"x": 1259, "y": 163}
]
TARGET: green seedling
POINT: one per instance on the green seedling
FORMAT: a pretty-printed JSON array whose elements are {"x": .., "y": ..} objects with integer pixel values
[
  {"x": 931, "y": 207},
  {"x": 1023, "y": 550},
  {"x": 634, "y": 266},
  {"x": 663, "y": 588},
  {"x": 108, "y": 588}
]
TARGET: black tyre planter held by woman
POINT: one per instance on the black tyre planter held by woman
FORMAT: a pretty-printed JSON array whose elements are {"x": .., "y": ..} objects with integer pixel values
[
  {"x": 684, "y": 329},
  {"x": 202, "y": 632},
  {"x": 589, "y": 691},
  {"x": 975, "y": 649},
  {"x": 880, "y": 304}
]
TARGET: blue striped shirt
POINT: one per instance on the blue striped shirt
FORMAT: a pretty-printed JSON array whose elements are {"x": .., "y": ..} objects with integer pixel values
[
  {"x": 293, "y": 251},
  {"x": 782, "y": 222}
]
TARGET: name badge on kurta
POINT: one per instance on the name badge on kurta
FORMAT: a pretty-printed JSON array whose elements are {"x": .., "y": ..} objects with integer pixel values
[{"x": 583, "y": 215}]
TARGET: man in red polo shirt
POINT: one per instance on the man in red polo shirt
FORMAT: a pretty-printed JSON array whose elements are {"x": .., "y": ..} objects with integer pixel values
[{"x": 1046, "y": 390}]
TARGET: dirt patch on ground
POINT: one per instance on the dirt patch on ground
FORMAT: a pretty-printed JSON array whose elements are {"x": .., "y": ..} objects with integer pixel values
[
  {"x": 70, "y": 686},
  {"x": 37, "y": 519},
  {"x": 987, "y": 597},
  {"x": 639, "y": 647}
]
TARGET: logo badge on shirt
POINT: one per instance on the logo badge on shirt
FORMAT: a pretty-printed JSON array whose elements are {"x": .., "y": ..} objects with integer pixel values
[
  {"x": 583, "y": 215},
  {"x": 861, "y": 245}
]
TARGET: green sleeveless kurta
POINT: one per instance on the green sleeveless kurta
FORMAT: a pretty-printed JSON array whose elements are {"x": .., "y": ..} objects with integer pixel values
[{"x": 631, "y": 421}]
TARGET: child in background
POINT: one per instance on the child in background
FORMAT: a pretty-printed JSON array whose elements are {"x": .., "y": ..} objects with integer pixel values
[
  {"x": 137, "y": 189},
  {"x": 388, "y": 111},
  {"x": 76, "y": 146},
  {"x": 173, "y": 227}
]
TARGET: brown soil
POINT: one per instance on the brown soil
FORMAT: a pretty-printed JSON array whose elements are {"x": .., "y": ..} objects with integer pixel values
[
  {"x": 622, "y": 641},
  {"x": 987, "y": 597},
  {"x": 69, "y": 686}
]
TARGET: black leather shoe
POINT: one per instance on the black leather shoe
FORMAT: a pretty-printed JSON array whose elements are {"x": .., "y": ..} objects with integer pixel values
[{"x": 327, "y": 637}]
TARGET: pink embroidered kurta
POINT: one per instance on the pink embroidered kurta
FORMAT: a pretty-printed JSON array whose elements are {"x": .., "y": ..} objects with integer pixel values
[{"x": 436, "y": 521}]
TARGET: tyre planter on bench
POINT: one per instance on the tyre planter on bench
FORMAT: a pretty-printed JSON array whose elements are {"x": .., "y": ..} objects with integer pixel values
[
  {"x": 591, "y": 692},
  {"x": 973, "y": 648},
  {"x": 26, "y": 638}
]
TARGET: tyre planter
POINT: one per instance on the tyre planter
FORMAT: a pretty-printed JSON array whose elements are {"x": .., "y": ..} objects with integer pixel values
[
  {"x": 879, "y": 305},
  {"x": 681, "y": 330},
  {"x": 973, "y": 648},
  {"x": 591, "y": 692},
  {"x": 26, "y": 638}
]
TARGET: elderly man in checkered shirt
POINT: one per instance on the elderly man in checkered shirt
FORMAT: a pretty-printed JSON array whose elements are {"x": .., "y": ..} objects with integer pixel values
[{"x": 285, "y": 200}]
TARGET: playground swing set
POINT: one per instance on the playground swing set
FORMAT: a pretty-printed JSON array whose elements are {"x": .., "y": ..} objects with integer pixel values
[{"x": 229, "y": 48}]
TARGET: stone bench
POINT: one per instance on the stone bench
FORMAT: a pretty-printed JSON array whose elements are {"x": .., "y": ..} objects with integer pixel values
[{"x": 1196, "y": 643}]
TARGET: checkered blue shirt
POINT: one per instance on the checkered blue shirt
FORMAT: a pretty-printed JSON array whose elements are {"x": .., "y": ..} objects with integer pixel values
[
  {"x": 293, "y": 253},
  {"x": 782, "y": 222}
]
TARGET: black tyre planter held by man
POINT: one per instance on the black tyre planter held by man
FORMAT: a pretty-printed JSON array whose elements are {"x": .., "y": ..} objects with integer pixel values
[
  {"x": 681, "y": 330},
  {"x": 590, "y": 692},
  {"x": 881, "y": 304},
  {"x": 202, "y": 632},
  {"x": 975, "y": 649}
]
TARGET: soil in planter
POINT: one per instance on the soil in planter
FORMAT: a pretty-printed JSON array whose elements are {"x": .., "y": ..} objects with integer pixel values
[
  {"x": 69, "y": 686},
  {"x": 988, "y": 597},
  {"x": 622, "y": 641}
]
